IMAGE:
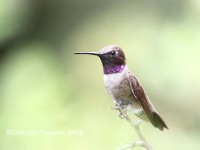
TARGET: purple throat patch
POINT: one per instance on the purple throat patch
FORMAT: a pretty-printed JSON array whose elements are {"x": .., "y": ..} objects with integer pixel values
[{"x": 113, "y": 69}]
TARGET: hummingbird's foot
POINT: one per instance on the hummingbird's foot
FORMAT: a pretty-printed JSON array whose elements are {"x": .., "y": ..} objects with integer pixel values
[
  {"x": 122, "y": 115},
  {"x": 122, "y": 109}
]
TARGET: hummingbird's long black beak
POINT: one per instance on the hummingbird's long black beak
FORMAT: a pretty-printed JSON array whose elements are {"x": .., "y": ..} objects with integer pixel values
[{"x": 88, "y": 53}]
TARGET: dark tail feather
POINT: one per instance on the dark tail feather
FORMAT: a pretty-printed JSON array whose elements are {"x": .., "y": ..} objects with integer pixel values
[{"x": 158, "y": 121}]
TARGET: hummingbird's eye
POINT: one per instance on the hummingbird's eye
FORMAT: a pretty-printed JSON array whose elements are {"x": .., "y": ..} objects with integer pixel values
[{"x": 113, "y": 53}]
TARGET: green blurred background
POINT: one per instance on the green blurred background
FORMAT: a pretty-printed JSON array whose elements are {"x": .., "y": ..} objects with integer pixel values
[{"x": 43, "y": 86}]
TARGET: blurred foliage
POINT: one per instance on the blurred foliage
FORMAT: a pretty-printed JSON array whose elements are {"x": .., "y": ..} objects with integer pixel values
[{"x": 45, "y": 87}]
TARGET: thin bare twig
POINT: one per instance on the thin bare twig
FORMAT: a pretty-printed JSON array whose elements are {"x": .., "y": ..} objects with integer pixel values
[{"x": 142, "y": 141}]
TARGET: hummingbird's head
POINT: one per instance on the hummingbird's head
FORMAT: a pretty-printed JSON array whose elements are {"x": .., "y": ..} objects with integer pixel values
[{"x": 112, "y": 58}]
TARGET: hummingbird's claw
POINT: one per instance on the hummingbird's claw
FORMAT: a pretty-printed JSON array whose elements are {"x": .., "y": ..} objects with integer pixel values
[
  {"x": 121, "y": 107},
  {"x": 121, "y": 115}
]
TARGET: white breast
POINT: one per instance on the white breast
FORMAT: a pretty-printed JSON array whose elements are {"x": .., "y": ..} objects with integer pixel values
[{"x": 111, "y": 81}]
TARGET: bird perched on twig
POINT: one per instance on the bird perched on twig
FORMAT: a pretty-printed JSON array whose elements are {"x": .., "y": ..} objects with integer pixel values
[{"x": 123, "y": 86}]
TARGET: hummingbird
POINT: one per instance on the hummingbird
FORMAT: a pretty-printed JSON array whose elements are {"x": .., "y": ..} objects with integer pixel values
[{"x": 123, "y": 86}]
